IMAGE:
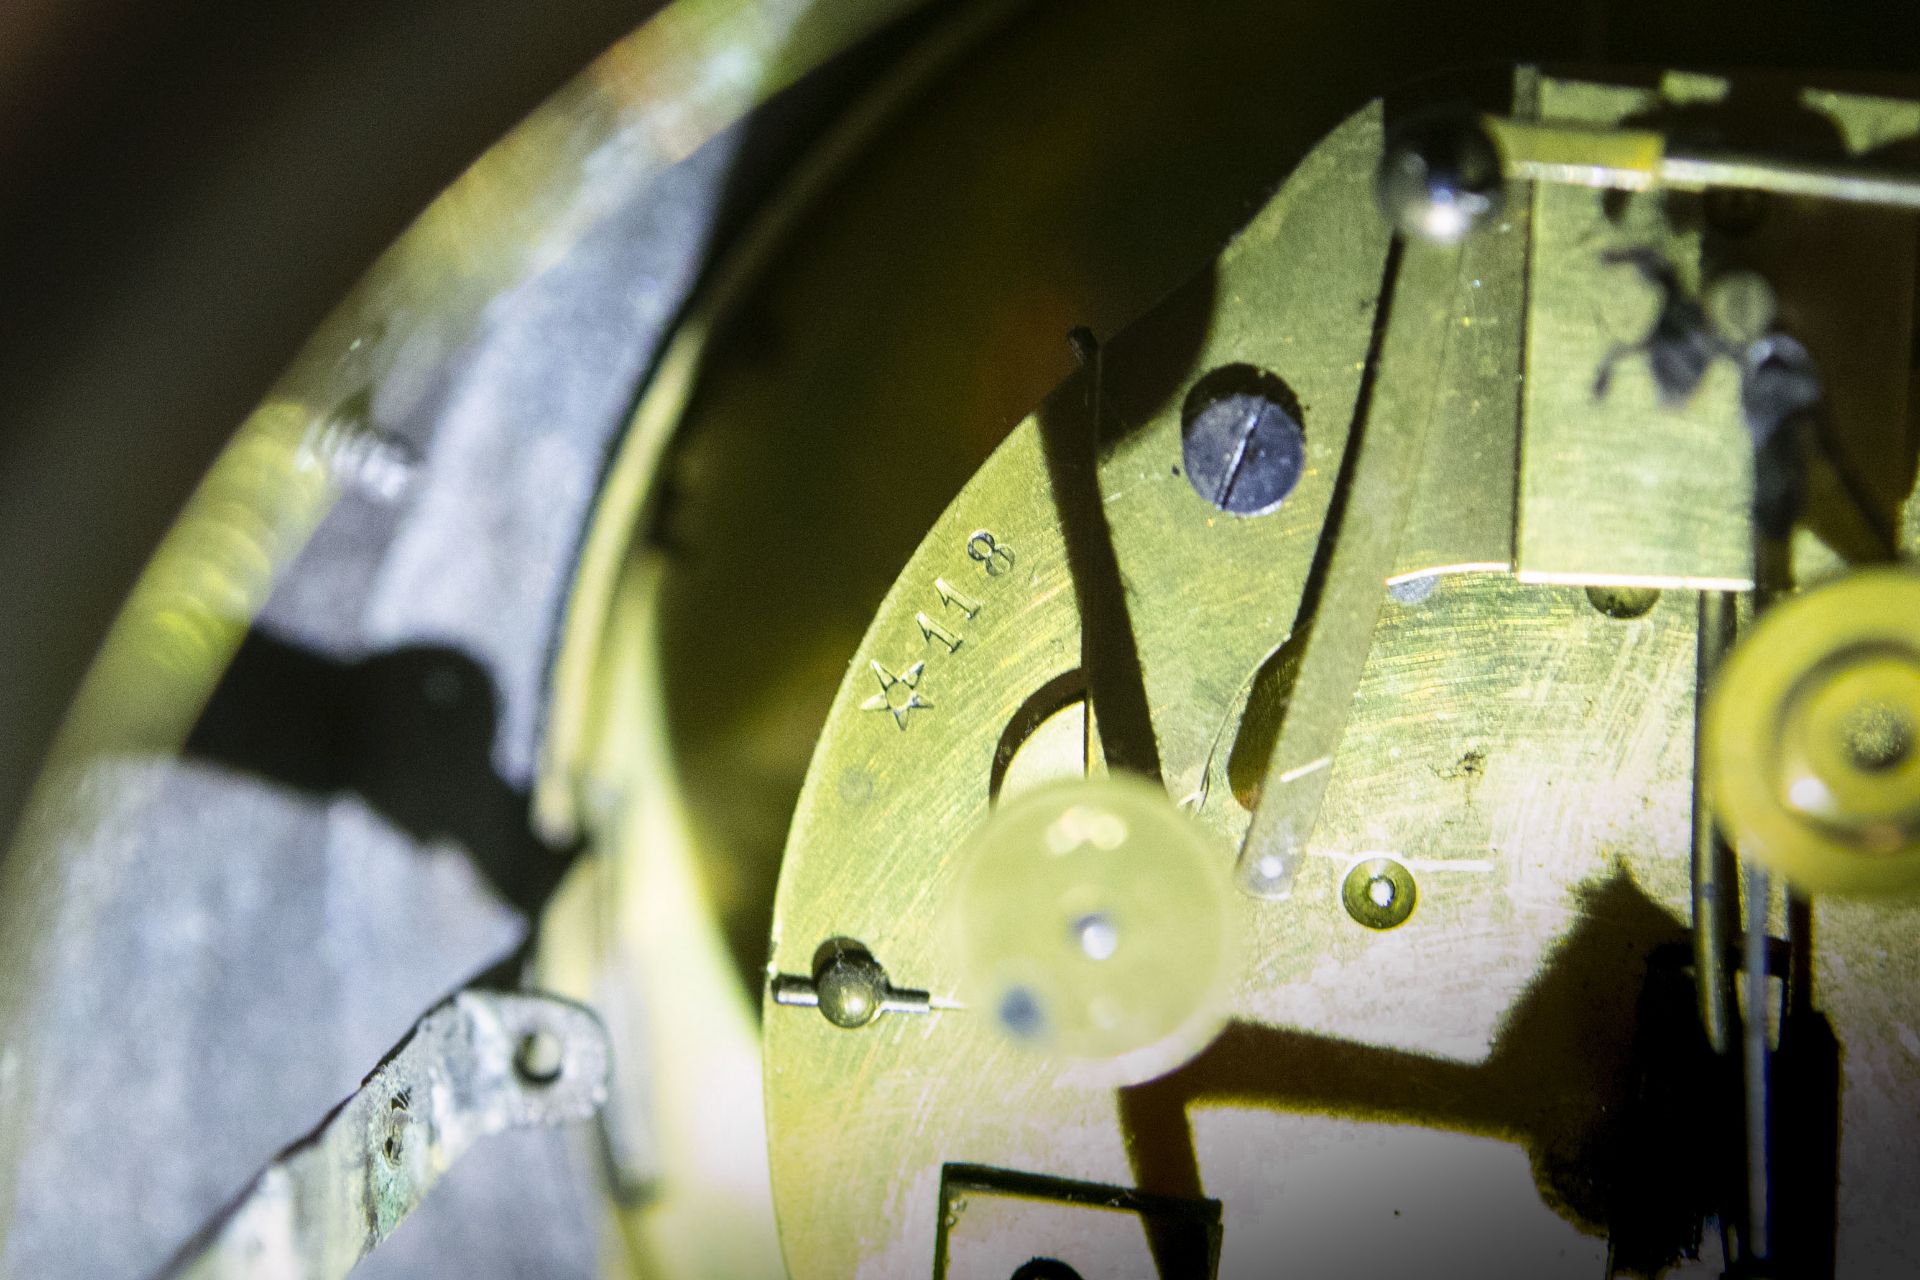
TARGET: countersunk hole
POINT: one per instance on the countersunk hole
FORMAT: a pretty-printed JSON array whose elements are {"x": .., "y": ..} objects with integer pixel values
[
  {"x": 1876, "y": 736},
  {"x": 1623, "y": 602},
  {"x": 540, "y": 1058},
  {"x": 1379, "y": 893}
]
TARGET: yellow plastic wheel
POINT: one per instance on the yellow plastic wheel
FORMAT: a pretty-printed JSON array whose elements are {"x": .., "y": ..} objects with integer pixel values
[
  {"x": 1094, "y": 921},
  {"x": 1810, "y": 742}
]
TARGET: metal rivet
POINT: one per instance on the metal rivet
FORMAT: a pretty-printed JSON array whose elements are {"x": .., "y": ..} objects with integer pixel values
[
  {"x": 851, "y": 986},
  {"x": 1440, "y": 177}
]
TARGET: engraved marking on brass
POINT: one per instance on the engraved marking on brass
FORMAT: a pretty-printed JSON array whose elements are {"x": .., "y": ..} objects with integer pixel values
[
  {"x": 931, "y": 630},
  {"x": 899, "y": 694},
  {"x": 952, "y": 597},
  {"x": 990, "y": 554}
]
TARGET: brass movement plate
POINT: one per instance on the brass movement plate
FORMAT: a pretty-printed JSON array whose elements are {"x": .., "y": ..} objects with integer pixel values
[{"x": 1440, "y": 1096}]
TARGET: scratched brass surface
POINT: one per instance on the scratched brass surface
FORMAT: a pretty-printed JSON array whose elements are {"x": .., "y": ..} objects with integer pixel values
[
  {"x": 1356, "y": 554},
  {"x": 896, "y": 785},
  {"x": 1625, "y": 488},
  {"x": 1472, "y": 703},
  {"x": 845, "y": 434},
  {"x": 1298, "y": 291},
  {"x": 1461, "y": 516},
  {"x": 1620, "y": 487},
  {"x": 919, "y": 312},
  {"x": 1441, "y": 1089}
]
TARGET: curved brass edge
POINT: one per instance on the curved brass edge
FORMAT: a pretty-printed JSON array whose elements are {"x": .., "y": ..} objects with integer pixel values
[
  {"x": 628, "y": 487},
  {"x": 1473, "y": 733},
  {"x": 1179, "y": 553},
  {"x": 985, "y": 612},
  {"x": 642, "y": 937},
  {"x": 694, "y": 69},
  {"x": 873, "y": 833},
  {"x": 1484, "y": 669},
  {"x": 633, "y": 931},
  {"x": 1519, "y": 753}
]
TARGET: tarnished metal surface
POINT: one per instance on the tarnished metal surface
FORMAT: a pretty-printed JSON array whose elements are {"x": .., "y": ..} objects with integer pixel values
[
  {"x": 481, "y": 1063},
  {"x": 1514, "y": 750},
  {"x": 228, "y": 965},
  {"x": 210, "y": 866},
  {"x": 1355, "y": 556},
  {"x": 1461, "y": 1090},
  {"x": 915, "y": 793},
  {"x": 1628, "y": 475},
  {"x": 1634, "y": 483}
]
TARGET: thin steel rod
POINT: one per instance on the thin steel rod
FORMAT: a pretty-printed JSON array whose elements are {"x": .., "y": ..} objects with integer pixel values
[
  {"x": 1716, "y": 899},
  {"x": 1643, "y": 160},
  {"x": 1759, "y": 1172}
]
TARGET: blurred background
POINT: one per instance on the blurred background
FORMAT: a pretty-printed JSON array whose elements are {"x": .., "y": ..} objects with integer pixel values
[{"x": 186, "y": 188}]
